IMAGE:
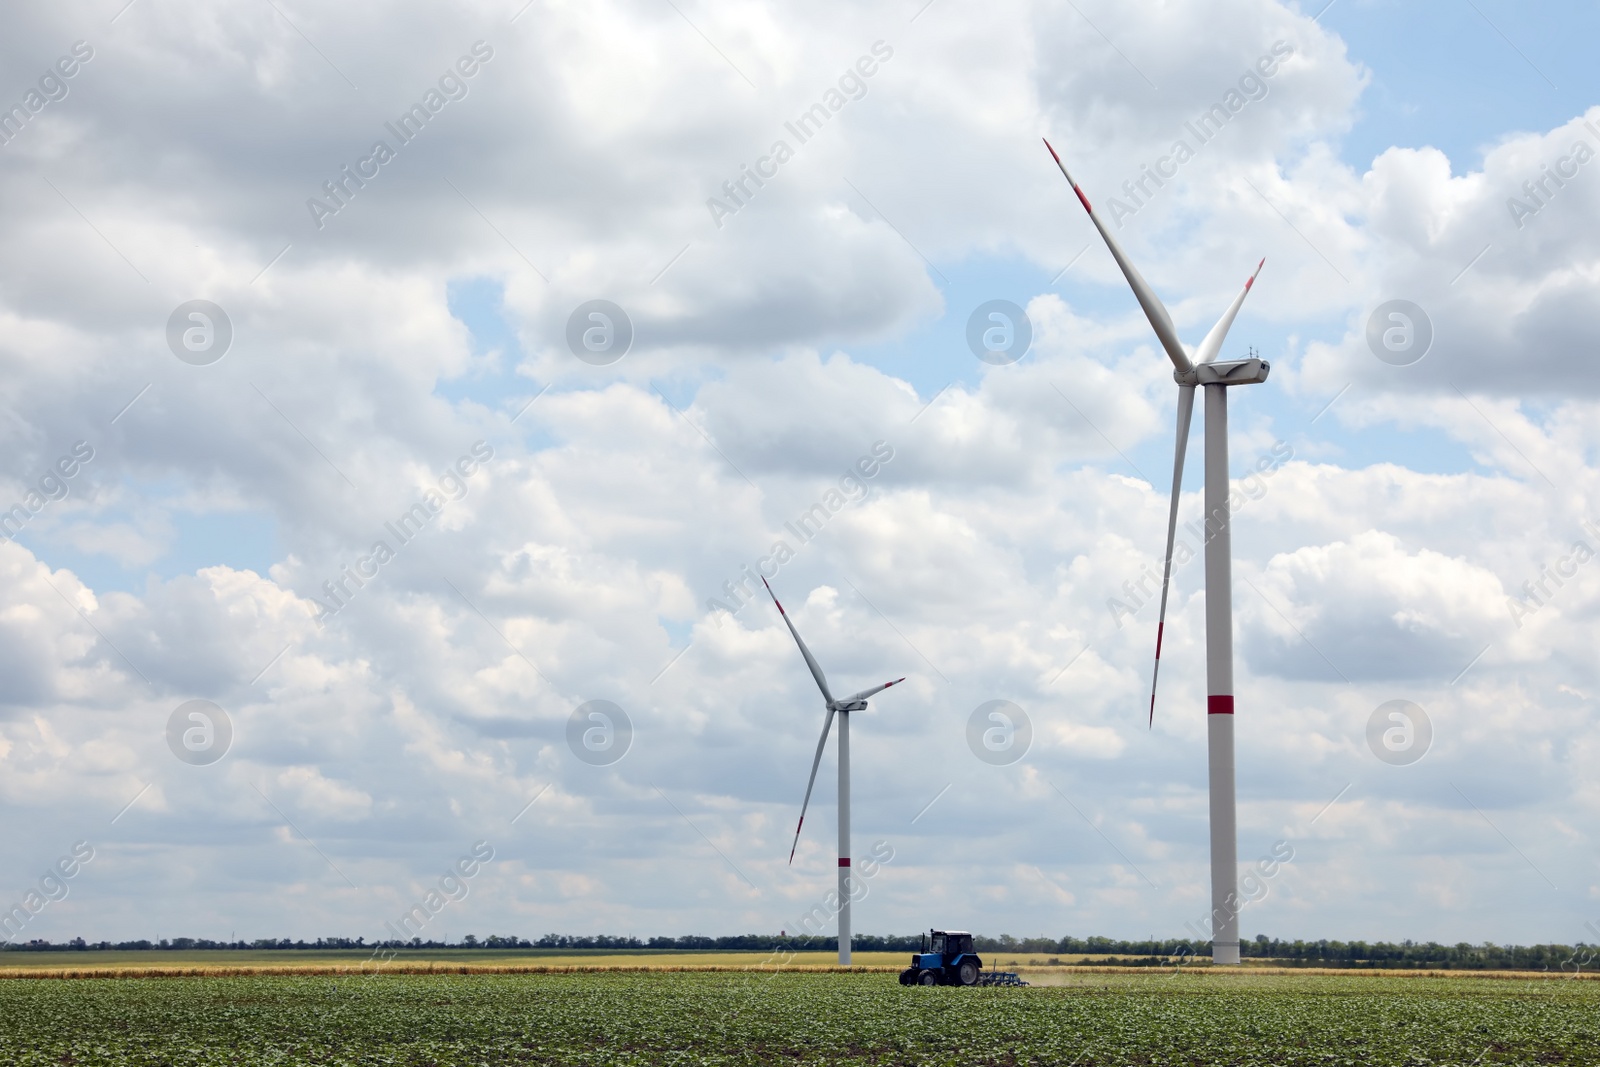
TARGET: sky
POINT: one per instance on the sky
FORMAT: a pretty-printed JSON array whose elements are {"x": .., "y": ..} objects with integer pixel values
[{"x": 400, "y": 401}]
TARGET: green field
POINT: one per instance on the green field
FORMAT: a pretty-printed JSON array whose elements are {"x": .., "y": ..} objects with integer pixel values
[{"x": 687, "y": 1019}]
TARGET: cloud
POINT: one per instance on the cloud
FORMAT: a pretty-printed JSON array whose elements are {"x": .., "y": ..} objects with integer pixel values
[
  {"x": 1494, "y": 257},
  {"x": 431, "y": 710},
  {"x": 1369, "y": 609}
]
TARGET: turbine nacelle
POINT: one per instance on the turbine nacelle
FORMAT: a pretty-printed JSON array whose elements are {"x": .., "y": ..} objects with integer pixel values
[
  {"x": 858, "y": 701},
  {"x": 1229, "y": 372}
]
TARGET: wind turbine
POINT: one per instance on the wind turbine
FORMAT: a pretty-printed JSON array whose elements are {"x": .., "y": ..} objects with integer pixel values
[
  {"x": 1203, "y": 369},
  {"x": 844, "y": 707}
]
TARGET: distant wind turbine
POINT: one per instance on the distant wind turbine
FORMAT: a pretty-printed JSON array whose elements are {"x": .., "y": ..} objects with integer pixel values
[{"x": 843, "y": 708}]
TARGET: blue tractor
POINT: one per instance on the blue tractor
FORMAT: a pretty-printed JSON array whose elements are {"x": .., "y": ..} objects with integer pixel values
[{"x": 946, "y": 958}]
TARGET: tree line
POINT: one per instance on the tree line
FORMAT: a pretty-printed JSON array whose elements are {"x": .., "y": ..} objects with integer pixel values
[{"x": 1153, "y": 952}]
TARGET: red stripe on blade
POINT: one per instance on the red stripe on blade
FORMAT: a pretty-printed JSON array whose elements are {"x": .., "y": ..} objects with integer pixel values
[
  {"x": 1161, "y": 628},
  {"x": 1219, "y": 704},
  {"x": 1084, "y": 200}
]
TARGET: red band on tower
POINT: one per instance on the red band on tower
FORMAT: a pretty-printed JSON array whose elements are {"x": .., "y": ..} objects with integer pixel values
[
  {"x": 1219, "y": 704},
  {"x": 844, "y": 861}
]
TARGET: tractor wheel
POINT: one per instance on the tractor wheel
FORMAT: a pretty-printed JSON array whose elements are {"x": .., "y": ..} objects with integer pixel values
[
  {"x": 928, "y": 978},
  {"x": 908, "y": 976},
  {"x": 967, "y": 973}
]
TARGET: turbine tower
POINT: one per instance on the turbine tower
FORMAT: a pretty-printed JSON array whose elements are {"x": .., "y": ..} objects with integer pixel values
[
  {"x": 843, "y": 708},
  {"x": 1203, "y": 370}
]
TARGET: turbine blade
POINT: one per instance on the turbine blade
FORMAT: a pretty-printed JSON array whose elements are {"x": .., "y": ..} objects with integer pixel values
[
  {"x": 1185, "y": 414},
  {"x": 1154, "y": 310},
  {"x": 874, "y": 691},
  {"x": 815, "y": 762},
  {"x": 816, "y": 671},
  {"x": 1213, "y": 343}
]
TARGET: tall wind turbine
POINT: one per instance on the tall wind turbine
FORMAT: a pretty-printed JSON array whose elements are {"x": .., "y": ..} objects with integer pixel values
[
  {"x": 844, "y": 707},
  {"x": 1203, "y": 369}
]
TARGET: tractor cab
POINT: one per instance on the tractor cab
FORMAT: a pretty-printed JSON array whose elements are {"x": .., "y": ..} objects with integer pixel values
[{"x": 947, "y": 958}]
